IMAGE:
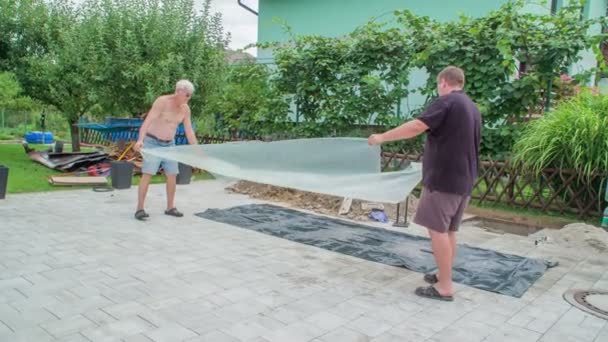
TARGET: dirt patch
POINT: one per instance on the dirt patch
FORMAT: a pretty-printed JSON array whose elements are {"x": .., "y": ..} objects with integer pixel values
[
  {"x": 580, "y": 236},
  {"x": 519, "y": 219},
  {"x": 322, "y": 204}
]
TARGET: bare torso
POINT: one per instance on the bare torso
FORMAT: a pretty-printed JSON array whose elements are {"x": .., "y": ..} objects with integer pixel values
[{"x": 170, "y": 116}]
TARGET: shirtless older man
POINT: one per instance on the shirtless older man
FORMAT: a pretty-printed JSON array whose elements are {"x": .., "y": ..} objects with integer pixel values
[{"x": 157, "y": 131}]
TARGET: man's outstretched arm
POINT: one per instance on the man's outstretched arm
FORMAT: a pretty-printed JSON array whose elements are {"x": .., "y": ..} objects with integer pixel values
[{"x": 408, "y": 130}]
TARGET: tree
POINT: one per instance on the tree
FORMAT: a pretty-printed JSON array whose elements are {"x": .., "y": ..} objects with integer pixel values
[
  {"x": 22, "y": 25},
  {"x": 67, "y": 76},
  {"x": 27, "y": 27},
  {"x": 11, "y": 94},
  {"x": 249, "y": 102},
  {"x": 121, "y": 54},
  {"x": 147, "y": 45}
]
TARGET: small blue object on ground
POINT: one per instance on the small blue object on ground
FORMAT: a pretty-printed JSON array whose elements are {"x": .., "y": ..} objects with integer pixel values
[
  {"x": 378, "y": 215},
  {"x": 37, "y": 137}
]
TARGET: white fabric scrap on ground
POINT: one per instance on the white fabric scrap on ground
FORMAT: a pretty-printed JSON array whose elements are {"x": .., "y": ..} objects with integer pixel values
[{"x": 344, "y": 167}]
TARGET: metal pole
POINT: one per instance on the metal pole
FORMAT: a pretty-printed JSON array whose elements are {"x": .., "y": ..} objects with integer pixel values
[
  {"x": 405, "y": 224},
  {"x": 549, "y": 90}
]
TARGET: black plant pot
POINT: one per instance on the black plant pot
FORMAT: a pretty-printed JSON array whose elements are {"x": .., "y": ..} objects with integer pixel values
[
  {"x": 3, "y": 181},
  {"x": 122, "y": 174},
  {"x": 185, "y": 174}
]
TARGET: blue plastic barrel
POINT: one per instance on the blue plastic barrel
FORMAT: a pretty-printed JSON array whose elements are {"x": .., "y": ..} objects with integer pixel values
[{"x": 39, "y": 137}]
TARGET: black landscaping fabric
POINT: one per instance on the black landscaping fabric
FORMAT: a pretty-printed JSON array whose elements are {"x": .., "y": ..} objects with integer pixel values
[{"x": 484, "y": 269}]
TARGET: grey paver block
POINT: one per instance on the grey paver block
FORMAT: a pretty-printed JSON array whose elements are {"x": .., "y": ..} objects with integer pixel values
[
  {"x": 137, "y": 338},
  {"x": 296, "y": 332},
  {"x": 602, "y": 335},
  {"x": 521, "y": 319},
  {"x": 19, "y": 320},
  {"x": 343, "y": 334},
  {"x": 36, "y": 334},
  {"x": 156, "y": 303},
  {"x": 542, "y": 325},
  {"x": 466, "y": 331},
  {"x": 119, "y": 329},
  {"x": 17, "y": 282},
  {"x": 237, "y": 294},
  {"x": 396, "y": 313},
  {"x": 287, "y": 315},
  {"x": 511, "y": 333},
  {"x": 349, "y": 309},
  {"x": 568, "y": 328},
  {"x": 125, "y": 309},
  {"x": 242, "y": 310},
  {"x": 99, "y": 317},
  {"x": 411, "y": 332},
  {"x": 4, "y": 329},
  {"x": 369, "y": 326},
  {"x": 486, "y": 317},
  {"x": 171, "y": 332},
  {"x": 64, "y": 309},
  {"x": 390, "y": 337},
  {"x": 326, "y": 321},
  {"x": 274, "y": 299},
  {"x": 259, "y": 339},
  {"x": 592, "y": 322},
  {"x": 74, "y": 338},
  {"x": 68, "y": 325},
  {"x": 191, "y": 309},
  {"x": 254, "y": 327},
  {"x": 10, "y": 295},
  {"x": 214, "y": 336},
  {"x": 206, "y": 323},
  {"x": 35, "y": 302},
  {"x": 155, "y": 318}
]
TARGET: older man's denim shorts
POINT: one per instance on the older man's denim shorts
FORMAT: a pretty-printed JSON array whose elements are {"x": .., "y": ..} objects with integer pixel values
[{"x": 152, "y": 164}]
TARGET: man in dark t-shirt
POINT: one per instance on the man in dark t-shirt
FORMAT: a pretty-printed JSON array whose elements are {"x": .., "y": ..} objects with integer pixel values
[{"x": 449, "y": 168}]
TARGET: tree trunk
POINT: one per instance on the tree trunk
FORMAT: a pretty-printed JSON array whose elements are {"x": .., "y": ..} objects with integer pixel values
[{"x": 75, "y": 133}]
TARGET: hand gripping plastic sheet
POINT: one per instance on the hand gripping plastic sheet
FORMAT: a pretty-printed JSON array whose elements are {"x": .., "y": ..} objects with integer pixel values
[{"x": 345, "y": 167}]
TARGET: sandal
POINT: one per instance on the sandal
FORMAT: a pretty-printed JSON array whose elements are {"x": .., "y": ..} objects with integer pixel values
[
  {"x": 432, "y": 293},
  {"x": 141, "y": 215},
  {"x": 173, "y": 212},
  {"x": 431, "y": 278}
]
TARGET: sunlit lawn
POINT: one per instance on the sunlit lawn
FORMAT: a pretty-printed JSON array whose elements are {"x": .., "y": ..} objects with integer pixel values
[{"x": 26, "y": 175}]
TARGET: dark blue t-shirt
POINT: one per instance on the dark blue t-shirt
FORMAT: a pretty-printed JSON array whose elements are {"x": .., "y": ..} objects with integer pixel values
[{"x": 451, "y": 152}]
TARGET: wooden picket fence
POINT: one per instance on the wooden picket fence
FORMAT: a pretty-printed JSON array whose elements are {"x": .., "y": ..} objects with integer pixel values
[{"x": 553, "y": 190}]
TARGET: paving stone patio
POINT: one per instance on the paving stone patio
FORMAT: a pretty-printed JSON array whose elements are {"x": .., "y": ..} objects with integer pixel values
[{"x": 75, "y": 266}]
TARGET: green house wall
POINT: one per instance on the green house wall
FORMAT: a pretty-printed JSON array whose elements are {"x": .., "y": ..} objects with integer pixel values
[{"x": 334, "y": 18}]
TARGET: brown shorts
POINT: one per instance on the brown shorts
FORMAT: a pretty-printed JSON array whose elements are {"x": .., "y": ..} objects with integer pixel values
[{"x": 440, "y": 211}]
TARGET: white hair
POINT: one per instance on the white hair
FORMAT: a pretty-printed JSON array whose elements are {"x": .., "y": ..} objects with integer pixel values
[{"x": 184, "y": 85}]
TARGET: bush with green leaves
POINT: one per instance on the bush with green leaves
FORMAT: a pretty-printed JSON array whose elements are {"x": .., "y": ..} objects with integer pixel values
[
  {"x": 338, "y": 83},
  {"x": 510, "y": 58},
  {"x": 573, "y": 136},
  {"x": 248, "y": 102}
]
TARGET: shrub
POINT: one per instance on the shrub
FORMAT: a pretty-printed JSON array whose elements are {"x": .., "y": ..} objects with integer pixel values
[{"x": 573, "y": 136}]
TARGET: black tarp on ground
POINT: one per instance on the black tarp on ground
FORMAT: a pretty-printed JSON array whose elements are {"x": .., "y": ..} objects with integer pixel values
[{"x": 484, "y": 269}]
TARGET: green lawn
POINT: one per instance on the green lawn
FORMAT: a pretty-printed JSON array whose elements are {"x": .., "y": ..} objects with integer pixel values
[{"x": 28, "y": 176}]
